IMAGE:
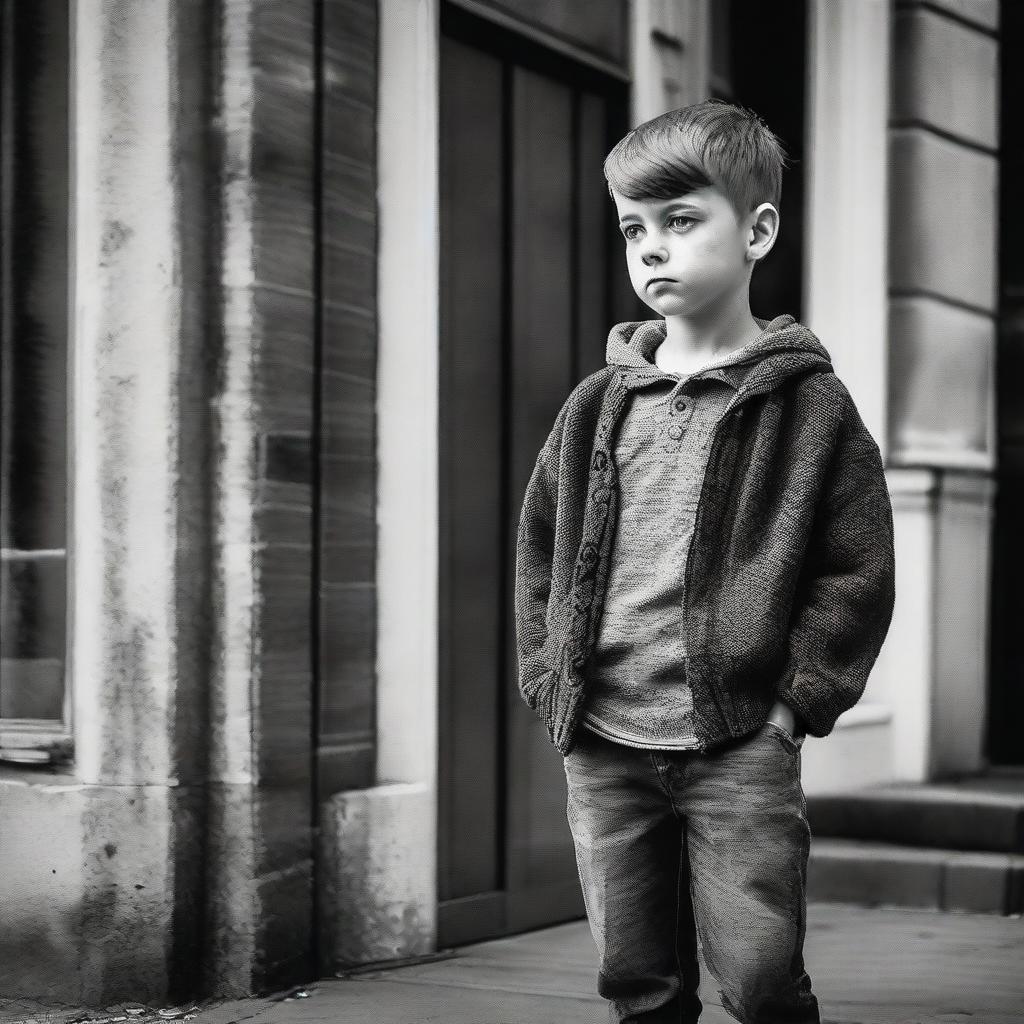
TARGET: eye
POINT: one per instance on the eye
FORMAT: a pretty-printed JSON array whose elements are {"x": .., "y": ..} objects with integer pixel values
[
  {"x": 681, "y": 222},
  {"x": 631, "y": 232}
]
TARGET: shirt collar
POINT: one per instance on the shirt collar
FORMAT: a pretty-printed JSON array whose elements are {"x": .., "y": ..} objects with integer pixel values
[{"x": 731, "y": 369}]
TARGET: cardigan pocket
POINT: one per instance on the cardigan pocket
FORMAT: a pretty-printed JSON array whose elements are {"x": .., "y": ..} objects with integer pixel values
[{"x": 533, "y": 691}]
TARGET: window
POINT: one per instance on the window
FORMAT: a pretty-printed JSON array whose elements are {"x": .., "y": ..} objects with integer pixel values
[{"x": 34, "y": 281}]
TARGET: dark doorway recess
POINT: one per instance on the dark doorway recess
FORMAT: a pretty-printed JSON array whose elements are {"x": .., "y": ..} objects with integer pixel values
[
  {"x": 1006, "y": 674},
  {"x": 531, "y": 280},
  {"x": 742, "y": 32}
]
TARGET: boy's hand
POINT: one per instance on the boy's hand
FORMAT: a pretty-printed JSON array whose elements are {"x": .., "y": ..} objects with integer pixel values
[{"x": 782, "y": 714}]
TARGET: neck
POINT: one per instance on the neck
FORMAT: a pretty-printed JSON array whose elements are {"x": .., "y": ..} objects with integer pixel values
[{"x": 715, "y": 330}]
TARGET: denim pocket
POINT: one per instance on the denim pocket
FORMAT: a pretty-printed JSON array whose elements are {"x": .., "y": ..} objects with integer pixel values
[{"x": 786, "y": 737}]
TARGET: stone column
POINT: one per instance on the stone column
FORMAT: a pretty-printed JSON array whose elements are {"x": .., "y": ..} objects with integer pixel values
[
  {"x": 943, "y": 141},
  {"x": 378, "y": 848},
  {"x": 259, "y": 896},
  {"x": 845, "y": 294},
  {"x": 845, "y": 245}
]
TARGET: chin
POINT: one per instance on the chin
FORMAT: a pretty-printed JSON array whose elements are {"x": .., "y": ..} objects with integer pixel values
[{"x": 671, "y": 306}]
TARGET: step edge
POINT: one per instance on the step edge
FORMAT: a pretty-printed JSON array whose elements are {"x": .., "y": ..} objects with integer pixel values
[{"x": 839, "y": 846}]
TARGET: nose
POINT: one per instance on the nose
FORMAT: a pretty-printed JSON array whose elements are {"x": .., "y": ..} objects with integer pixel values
[{"x": 654, "y": 252}]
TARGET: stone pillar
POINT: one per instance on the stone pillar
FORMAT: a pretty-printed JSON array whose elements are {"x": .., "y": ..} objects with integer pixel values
[
  {"x": 845, "y": 246},
  {"x": 845, "y": 296},
  {"x": 259, "y": 898},
  {"x": 943, "y": 141},
  {"x": 379, "y": 845},
  {"x": 671, "y": 42},
  {"x": 101, "y": 861}
]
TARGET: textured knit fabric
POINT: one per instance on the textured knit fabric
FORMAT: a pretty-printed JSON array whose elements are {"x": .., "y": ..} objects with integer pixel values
[
  {"x": 789, "y": 583},
  {"x": 670, "y": 844},
  {"x": 636, "y": 678}
]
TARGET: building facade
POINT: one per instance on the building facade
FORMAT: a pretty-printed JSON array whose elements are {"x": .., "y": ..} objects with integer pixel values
[{"x": 290, "y": 296}]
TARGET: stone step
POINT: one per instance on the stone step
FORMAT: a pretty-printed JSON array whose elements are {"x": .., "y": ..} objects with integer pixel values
[
  {"x": 980, "y": 813},
  {"x": 872, "y": 874}
]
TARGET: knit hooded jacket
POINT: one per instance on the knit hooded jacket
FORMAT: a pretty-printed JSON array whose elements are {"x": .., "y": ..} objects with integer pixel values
[{"x": 789, "y": 586}]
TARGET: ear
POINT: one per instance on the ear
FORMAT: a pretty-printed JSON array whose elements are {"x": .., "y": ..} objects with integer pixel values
[{"x": 763, "y": 230}]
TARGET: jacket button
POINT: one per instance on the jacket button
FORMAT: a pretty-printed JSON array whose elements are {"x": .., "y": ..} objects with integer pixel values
[
  {"x": 675, "y": 431},
  {"x": 680, "y": 404},
  {"x": 601, "y": 495}
]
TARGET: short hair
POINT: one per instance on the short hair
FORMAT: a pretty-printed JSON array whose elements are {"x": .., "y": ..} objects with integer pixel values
[{"x": 711, "y": 143}]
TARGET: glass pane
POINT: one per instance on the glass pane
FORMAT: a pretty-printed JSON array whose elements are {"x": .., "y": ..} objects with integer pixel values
[
  {"x": 33, "y": 356},
  {"x": 32, "y": 607},
  {"x": 34, "y": 229}
]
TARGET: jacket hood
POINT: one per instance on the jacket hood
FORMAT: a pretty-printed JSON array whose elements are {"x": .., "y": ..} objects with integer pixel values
[{"x": 783, "y": 348}]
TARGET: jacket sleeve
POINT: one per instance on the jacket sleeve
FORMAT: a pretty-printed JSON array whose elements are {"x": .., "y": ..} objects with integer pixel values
[
  {"x": 844, "y": 599},
  {"x": 535, "y": 546}
]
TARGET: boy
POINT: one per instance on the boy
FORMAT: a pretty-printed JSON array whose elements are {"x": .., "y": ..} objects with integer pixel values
[{"x": 704, "y": 575}]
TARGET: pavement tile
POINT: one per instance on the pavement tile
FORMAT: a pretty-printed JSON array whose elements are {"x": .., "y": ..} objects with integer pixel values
[{"x": 868, "y": 966}]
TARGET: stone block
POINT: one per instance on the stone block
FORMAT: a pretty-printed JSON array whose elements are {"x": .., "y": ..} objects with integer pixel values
[
  {"x": 232, "y": 910},
  {"x": 284, "y": 954},
  {"x": 945, "y": 74},
  {"x": 977, "y": 883},
  {"x": 285, "y": 834},
  {"x": 930, "y": 815},
  {"x": 874, "y": 874},
  {"x": 962, "y": 594},
  {"x": 941, "y": 384},
  {"x": 1015, "y": 887},
  {"x": 378, "y": 891},
  {"x": 942, "y": 219},
  {"x": 97, "y": 887}
]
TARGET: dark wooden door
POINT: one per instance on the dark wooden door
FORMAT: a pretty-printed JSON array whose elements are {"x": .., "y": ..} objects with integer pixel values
[{"x": 531, "y": 281}]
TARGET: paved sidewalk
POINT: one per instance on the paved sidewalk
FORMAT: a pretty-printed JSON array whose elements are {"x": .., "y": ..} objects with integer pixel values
[{"x": 869, "y": 966}]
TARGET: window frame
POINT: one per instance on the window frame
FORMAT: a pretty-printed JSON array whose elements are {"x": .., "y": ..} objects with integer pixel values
[{"x": 30, "y": 741}]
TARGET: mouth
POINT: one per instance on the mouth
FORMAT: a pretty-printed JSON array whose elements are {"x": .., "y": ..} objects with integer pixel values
[{"x": 655, "y": 280}]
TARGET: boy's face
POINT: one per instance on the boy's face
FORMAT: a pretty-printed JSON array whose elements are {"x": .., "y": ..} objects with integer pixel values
[{"x": 685, "y": 253}]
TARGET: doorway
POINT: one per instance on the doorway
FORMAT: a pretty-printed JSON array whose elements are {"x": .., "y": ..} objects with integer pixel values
[{"x": 530, "y": 284}]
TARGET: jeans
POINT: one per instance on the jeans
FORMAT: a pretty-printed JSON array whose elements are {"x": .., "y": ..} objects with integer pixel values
[{"x": 672, "y": 844}]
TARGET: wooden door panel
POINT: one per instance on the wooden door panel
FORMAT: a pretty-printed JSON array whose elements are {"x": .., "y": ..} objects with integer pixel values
[
  {"x": 539, "y": 847},
  {"x": 598, "y": 25},
  {"x": 472, "y": 470},
  {"x": 595, "y": 223},
  {"x": 524, "y": 313},
  {"x": 541, "y": 366}
]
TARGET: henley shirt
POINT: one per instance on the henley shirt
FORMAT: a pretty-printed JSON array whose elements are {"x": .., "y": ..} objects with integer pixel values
[{"x": 636, "y": 676}]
